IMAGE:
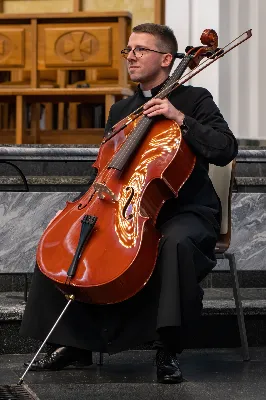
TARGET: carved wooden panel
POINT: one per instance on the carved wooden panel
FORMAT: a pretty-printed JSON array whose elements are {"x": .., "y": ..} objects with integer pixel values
[
  {"x": 77, "y": 46},
  {"x": 12, "y": 47}
]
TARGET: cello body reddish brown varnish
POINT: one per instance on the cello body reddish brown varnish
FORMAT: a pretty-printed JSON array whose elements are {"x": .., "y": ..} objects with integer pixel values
[{"x": 121, "y": 252}]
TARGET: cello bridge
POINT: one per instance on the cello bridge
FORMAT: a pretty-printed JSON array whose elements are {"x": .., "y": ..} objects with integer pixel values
[{"x": 104, "y": 191}]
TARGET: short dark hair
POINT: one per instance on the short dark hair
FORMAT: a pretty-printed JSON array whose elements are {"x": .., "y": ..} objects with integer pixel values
[{"x": 165, "y": 35}]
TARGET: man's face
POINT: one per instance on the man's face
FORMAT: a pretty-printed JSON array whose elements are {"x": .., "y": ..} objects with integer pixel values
[{"x": 150, "y": 66}]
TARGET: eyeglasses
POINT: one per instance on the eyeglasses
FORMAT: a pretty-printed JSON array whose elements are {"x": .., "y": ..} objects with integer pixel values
[{"x": 138, "y": 52}]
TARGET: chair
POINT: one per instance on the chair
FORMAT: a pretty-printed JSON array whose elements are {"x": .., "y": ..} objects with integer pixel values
[{"x": 222, "y": 180}]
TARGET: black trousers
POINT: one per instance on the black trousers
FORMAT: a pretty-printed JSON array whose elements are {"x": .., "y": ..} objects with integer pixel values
[{"x": 171, "y": 298}]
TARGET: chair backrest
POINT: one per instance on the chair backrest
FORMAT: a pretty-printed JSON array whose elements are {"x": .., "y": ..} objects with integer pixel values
[{"x": 222, "y": 180}]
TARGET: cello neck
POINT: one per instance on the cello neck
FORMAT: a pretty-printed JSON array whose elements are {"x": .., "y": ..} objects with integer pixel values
[{"x": 174, "y": 78}]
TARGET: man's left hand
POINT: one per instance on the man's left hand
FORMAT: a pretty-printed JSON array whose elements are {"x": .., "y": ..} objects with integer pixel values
[{"x": 163, "y": 107}]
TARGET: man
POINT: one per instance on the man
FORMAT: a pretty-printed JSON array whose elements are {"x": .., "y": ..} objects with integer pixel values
[{"x": 172, "y": 299}]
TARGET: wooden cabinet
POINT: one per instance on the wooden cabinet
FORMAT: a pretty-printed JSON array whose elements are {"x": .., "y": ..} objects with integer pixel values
[
  {"x": 74, "y": 41},
  {"x": 42, "y": 50}
]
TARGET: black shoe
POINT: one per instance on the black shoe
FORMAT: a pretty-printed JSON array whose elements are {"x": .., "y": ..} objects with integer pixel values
[
  {"x": 168, "y": 370},
  {"x": 61, "y": 358}
]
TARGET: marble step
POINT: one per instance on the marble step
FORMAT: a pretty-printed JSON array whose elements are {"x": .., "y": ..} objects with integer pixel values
[
  {"x": 218, "y": 326},
  {"x": 216, "y": 280},
  {"x": 77, "y": 160},
  {"x": 54, "y": 183},
  {"x": 45, "y": 183},
  {"x": 251, "y": 180},
  {"x": 45, "y": 180},
  {"x": 250, "y": 184},
  {"x": 77, "y": 180},
  {"x": 217, "y": 301}
]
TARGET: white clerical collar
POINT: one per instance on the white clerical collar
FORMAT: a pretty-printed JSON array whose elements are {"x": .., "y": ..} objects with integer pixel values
[{"x": 147, "y": 93}]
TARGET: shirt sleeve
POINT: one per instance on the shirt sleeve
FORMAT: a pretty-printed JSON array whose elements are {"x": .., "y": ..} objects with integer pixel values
[{"x": 207, "y": 133}]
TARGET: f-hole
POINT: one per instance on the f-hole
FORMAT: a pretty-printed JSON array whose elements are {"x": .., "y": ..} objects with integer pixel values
[{"x": 128, "y": 203}]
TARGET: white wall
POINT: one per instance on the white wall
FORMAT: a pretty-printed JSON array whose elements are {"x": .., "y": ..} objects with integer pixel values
[
  {"x": 237, "y": 81},
  {"x": 188, "y": 19}
]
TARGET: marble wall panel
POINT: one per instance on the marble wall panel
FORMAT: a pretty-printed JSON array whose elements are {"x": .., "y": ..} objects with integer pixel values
[
  {"x": 24, "y": 216},
  {"x": 249, "y": 230}
]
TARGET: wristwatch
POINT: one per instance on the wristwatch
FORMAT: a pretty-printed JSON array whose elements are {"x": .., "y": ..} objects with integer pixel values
[{"x": 184, "y": 127}]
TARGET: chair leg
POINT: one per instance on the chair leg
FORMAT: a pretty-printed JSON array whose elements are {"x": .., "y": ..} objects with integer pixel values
[
  {"x": 100, "y": 359},
  {"x": 239, "y": 308}
]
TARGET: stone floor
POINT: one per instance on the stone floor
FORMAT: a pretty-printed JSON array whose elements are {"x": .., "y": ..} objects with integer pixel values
[{"x": 213, "y": 374}]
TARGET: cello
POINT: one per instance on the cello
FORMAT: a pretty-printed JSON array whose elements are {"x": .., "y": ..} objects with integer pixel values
[{"x": 103, "y": 247}]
